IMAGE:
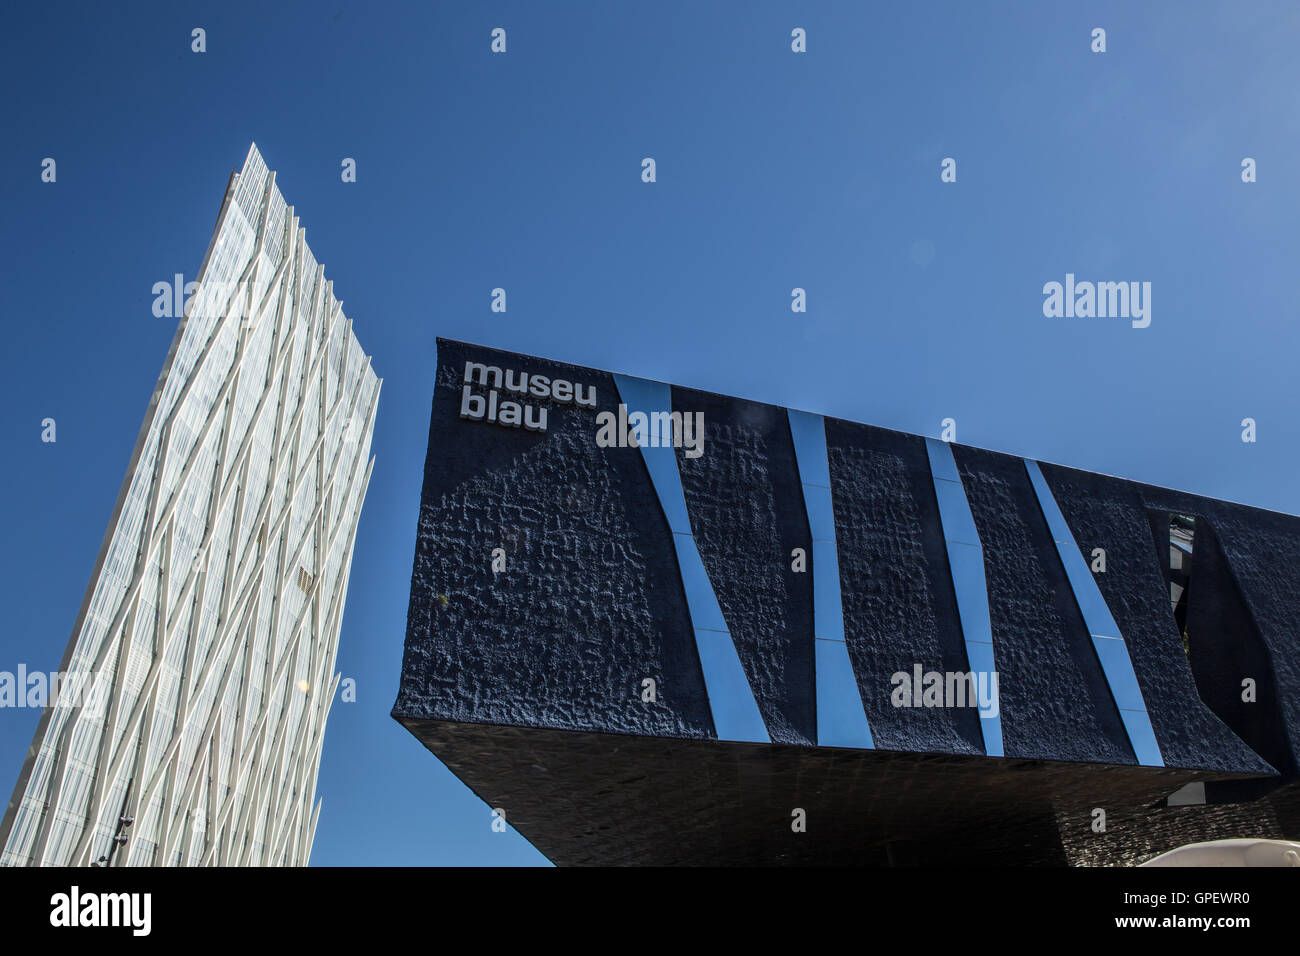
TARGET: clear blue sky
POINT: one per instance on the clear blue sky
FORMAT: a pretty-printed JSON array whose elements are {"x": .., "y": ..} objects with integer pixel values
[{"x": 775, "y": 170}]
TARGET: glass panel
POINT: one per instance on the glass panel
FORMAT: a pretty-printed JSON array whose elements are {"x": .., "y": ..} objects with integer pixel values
[
  {"x": 735, "y": 713},
  {"x": 841, "y": 721},
  {"x": 809, "y": 434}
]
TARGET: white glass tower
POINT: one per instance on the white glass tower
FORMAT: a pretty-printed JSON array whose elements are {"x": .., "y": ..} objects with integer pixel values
[{"x": 210, "y": 626}]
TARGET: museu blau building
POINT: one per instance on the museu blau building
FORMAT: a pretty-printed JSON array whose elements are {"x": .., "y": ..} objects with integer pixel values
[{"x": 655, "y": 625}]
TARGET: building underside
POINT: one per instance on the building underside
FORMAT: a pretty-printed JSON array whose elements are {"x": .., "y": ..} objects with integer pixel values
[{"x": 587, "y": 799}]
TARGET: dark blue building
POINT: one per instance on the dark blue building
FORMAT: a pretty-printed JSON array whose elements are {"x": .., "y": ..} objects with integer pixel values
[{"x": 659, "y": 625}]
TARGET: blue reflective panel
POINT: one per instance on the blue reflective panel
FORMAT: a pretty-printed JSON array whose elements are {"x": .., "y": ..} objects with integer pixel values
[
  {"x": 828, "y": 612},
  {"x": 1092, "y": 605},
  {"x": 1145, "y": 747},
  {"x": 662, "y": 465},
  {"x": 1096, "y": 615},
  {"x": 701, "y": 600},
  {"x": 979, "y": 658},
  {"x": 841, "y": 721},
  {"x": 942, "y": 464},
  {"x": 991, "y": 729},
  {"x": 954, "y": 512},
  {"x": 1112, "y": 652},
  {"x": 821, "y": 513},
  {"x": 966, "y": 561},
  {"x": 1118, "y": 668},
  {"x": 643, "y": 395},
  {"x": 735, "y": 713},
  {"x": 1047, "y": 502},
  {"x": 809, "y": 434},
  {"x": 667, "y": 481}
]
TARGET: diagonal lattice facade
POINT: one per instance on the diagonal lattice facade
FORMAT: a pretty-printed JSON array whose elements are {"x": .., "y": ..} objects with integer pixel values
[{"x": 210, "y": 627}]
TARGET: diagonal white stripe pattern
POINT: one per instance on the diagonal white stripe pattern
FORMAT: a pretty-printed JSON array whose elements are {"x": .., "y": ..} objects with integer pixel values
[{"x": 213, "y": 616}]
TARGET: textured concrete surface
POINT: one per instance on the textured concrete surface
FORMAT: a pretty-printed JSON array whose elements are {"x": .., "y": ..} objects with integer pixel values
[
  {"x": 591, "y": 601},
  {"x": 747, "y": 512},
  {"x": 1056, "y": 703},
  {"x": 897, "y": 593}
]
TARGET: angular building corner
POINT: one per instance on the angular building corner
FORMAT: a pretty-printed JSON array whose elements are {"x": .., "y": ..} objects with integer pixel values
[{"x": 200, "y": 670}]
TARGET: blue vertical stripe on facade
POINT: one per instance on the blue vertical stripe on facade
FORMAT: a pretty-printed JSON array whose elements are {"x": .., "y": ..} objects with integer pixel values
[
  {"x": 731, "y": 700},
  {"x": 841, "y": 718},
  {"x": 966, "y": 563},
  {"x": 1107, "y": 641}
]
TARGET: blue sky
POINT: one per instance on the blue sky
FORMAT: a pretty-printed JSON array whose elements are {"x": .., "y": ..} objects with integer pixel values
[{"x": 775, "y": 170}]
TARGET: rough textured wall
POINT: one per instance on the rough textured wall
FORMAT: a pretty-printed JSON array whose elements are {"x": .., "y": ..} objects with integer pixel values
[
  {"x": 896, "y": 590},
  {"x": 1108, "y": 513},
  {"x": 747, "y": 512},
  {"x": 1056, "y": 704},
  {"x": 591, "y": 601},
  {"x": 1227, "y": 652}
]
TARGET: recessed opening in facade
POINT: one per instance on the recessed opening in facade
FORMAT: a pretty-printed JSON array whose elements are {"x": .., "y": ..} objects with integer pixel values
[
  {"x": 1182, "y": 534},
  {"x": 1229, "y": 660}
]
